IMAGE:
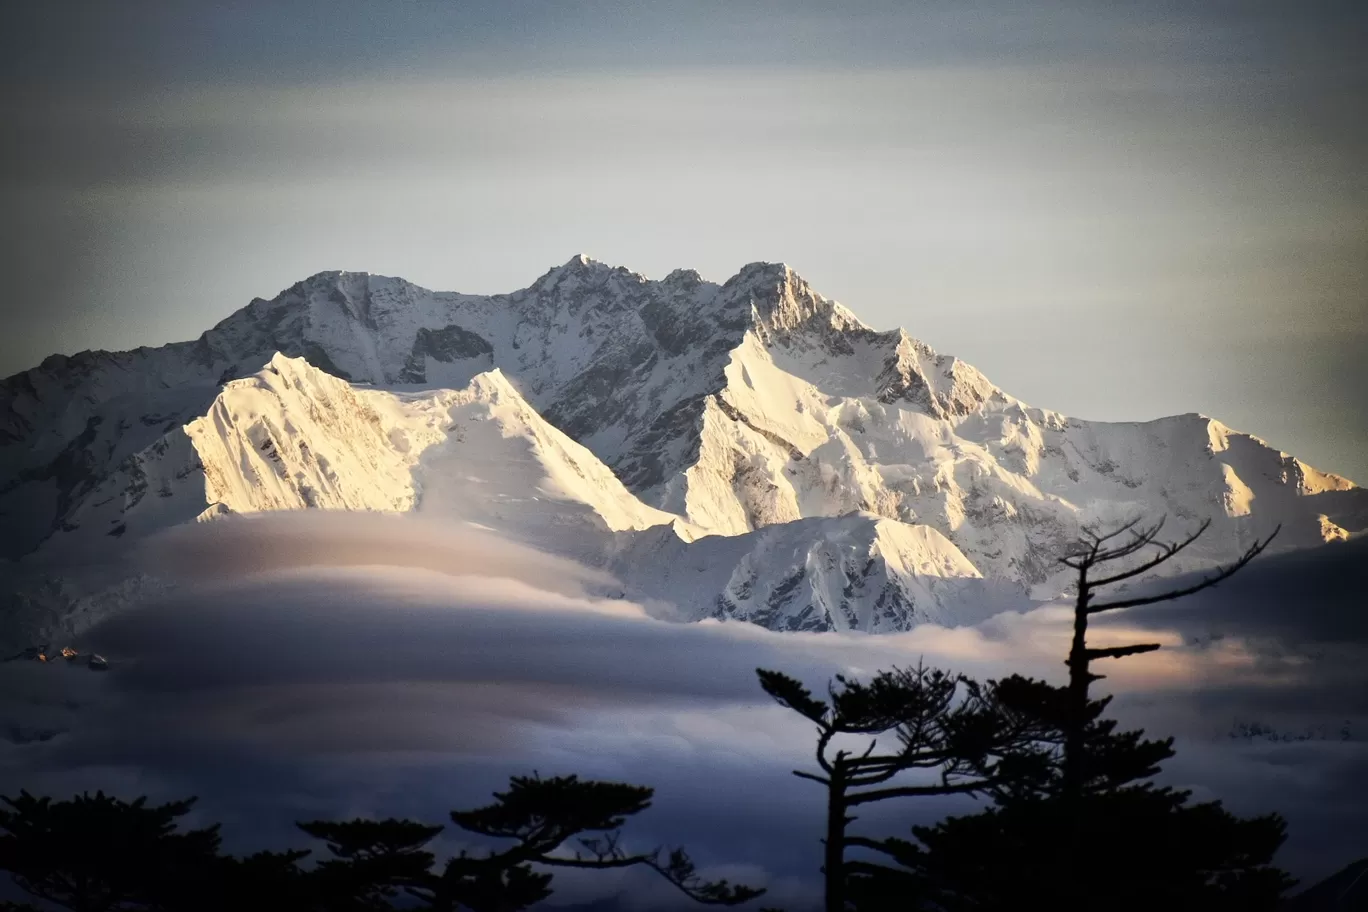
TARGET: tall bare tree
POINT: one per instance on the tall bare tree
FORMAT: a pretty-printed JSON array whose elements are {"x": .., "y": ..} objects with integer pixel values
[
  {"x": 1095, "y": 832},
  {"x": 1102, "y": 561}
]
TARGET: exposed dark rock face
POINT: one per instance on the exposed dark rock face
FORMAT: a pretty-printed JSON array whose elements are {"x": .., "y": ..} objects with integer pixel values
[{"x": 449, "y": 344}]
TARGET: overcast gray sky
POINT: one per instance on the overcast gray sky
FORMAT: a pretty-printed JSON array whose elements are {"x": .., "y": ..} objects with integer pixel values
[{"x": 1118, "y": 211}]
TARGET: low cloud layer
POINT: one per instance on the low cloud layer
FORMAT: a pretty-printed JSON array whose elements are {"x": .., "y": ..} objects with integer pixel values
[
  {"x": 248, "y": 545},
  {"x": 326, "y": 665}
]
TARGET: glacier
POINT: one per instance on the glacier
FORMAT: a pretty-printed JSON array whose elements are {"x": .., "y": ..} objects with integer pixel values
[{"x": 748, "y": 450}]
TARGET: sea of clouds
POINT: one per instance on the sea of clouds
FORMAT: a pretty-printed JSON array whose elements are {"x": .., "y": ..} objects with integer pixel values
[{"x": 330, "y": 665}]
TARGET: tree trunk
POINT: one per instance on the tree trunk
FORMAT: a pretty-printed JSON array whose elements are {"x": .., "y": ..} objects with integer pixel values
[
  {"x": 1075, "y": 759},
  {"x": 1079, "y": 679},
  {"x": 834, "y": 866}
]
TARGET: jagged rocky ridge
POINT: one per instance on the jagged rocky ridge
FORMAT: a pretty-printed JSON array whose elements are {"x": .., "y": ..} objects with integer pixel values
[{"x": 747, "y": 450}]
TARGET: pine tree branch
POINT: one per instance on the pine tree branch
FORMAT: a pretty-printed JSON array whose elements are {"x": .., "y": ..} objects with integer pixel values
[
  {"x": 677, "y": 868},
  {"x": 1139, "y": 541},
  {"x": 1122, "y": 551},
  {"x": 878, "y": 779},
  {"x": 868, "y": 750},
  {"x": 910, "y": 760},
  {"x": 855, "y": 865},
  {"x": 1166, "y": 551},
  {"x": 873, "y": 778},
  {"x": 1093, "y": 553},
  {"x": 913, "y": 791},
  {"x": 826, "y": 733},
  {"x": 1120, "y": 530},
  {"x": 872, "y": 763},
  {"x": 1117, "y": 652},
  {"x": 1221, "y": 574},
  {"x": 877, "y": 845},
  {"x": 625, "y": 861}
]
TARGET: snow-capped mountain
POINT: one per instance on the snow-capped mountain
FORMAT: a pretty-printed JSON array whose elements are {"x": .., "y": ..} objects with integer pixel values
[{"x": 747, "y": 450}]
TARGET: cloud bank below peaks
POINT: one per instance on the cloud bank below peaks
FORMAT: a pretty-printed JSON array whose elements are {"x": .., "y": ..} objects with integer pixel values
[{"x": 318, "y": 664}]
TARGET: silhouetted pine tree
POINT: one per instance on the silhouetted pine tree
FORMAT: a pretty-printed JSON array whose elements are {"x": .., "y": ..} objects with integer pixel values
[
  {"x": 97, "y": 853},
  {"x": 372, "y": 863},
  {"x": 101, "y": 854},
  {"x": 240, "y": 884},
  {"x": 541, "y": 816},
  {"x": 377, "y": 864},
  {"x": 1095, "y": 552},
  {"x": 961, "y": 732},
  {"x": 1093, "y": 833}
]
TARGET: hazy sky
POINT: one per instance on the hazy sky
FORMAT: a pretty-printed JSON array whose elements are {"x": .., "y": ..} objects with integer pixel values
[{"x": 1118, "y": 211}]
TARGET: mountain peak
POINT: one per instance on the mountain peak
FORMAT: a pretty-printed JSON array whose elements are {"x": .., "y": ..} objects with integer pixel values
[
  {"x": 578, "y": 268},
  {"x": 328, "y": 278},
  {"x": 732, "y": 407},
  {"x": 686, "y": 276},
  {"x": 763, "y": 269},
  {"x": 783, "y": 303},
  {"x": 582, "y": 263}
]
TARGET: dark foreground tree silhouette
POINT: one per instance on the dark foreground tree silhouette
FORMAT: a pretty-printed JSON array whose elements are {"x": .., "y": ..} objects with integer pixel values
[
  {"x": 373, "y": 862},
  {"x": 1094, "y": 833},
  {"x": 376, "y": 861},
  {"x": 966, "y": 734},
  {"x": 97, "y": 853},
  {"x": 543, "y": 814},
  {"x": 101, "y": 854},
  {"x": 1096, "y": 552}
]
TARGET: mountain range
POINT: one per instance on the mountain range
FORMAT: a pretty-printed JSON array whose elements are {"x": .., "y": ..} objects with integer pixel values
[{"x": 748, "y": 451}]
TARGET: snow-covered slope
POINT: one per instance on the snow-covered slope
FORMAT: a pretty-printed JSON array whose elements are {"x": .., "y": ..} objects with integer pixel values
[
  {"x": 292, "y": 437},
  {"x": 747, "y": 450},
  {"x": 852, "y": 572},
  {"x": 811, "y": 425}
]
